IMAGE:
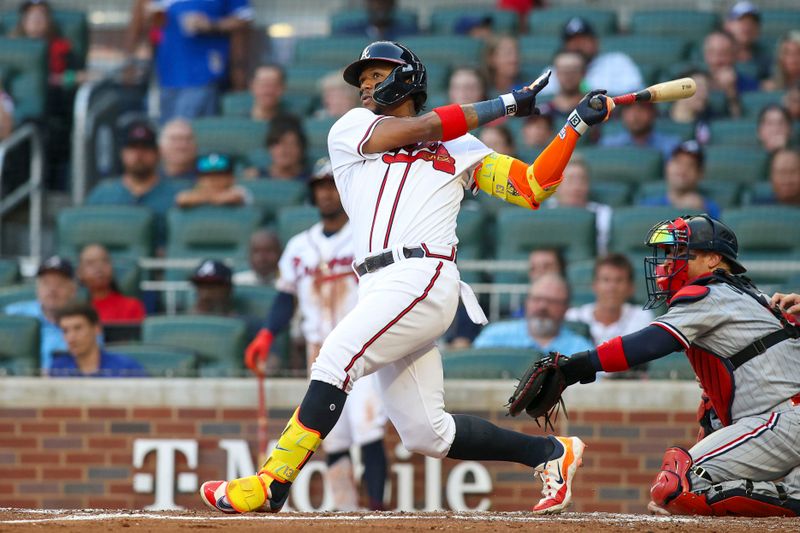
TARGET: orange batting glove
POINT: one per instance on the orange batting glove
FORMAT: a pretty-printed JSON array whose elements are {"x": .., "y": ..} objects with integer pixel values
[{"x": 257, "y": 352}]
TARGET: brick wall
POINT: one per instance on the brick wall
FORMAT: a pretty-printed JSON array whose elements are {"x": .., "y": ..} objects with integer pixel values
[{"x": 62, "y": 452}]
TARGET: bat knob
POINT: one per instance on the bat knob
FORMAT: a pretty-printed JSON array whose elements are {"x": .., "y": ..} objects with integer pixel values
[{"x": 596, "y": 103}]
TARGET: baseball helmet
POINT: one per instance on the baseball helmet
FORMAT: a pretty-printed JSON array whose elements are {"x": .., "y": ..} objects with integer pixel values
[
  {"x": 675, "y": 240},
  {"x": 408, "y": 78}
]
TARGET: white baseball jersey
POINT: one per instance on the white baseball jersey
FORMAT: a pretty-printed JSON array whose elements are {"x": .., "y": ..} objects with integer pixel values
[
  {"x": 317, "y": 269},
  {"x": 407, "y": 196}
]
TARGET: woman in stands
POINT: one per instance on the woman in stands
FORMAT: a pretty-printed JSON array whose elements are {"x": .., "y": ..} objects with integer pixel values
[
  {"x": 96, "y": 274},
  {"x": 786, "y": 71},
  {"x": 503, "y": 65}
]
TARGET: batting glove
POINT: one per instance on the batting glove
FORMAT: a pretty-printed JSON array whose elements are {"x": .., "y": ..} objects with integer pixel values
[
  {"x": 255, "y": 356},
  {"x": 522, "y": 103},
  {"x": 590, "y": 111}
]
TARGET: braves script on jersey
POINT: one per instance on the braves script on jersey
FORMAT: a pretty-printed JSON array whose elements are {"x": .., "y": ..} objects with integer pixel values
[{"x": 317, "y": 269}]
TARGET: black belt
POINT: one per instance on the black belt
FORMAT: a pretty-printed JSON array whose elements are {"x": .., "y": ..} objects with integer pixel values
[{"x": 378, "y": 261}]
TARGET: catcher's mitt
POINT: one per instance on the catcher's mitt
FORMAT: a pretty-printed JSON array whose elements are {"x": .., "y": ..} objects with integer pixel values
[{"x": 539, "y": 390}]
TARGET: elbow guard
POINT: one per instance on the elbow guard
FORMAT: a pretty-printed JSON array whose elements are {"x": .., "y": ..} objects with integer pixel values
[{"x": 511, "y": 180}]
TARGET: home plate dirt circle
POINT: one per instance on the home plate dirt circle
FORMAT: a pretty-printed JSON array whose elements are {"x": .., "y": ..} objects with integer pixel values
[{"x": 95, "y": 520}]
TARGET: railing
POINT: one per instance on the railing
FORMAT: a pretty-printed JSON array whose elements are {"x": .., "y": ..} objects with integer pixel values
[{"x": 30, "y": 189}]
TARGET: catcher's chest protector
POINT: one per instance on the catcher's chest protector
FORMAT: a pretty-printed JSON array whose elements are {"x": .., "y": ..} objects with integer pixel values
[{"x": 716, "y": 378}]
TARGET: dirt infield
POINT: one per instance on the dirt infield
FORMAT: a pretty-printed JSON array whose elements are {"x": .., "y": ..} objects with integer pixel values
[{"x": 95, "y": 520}]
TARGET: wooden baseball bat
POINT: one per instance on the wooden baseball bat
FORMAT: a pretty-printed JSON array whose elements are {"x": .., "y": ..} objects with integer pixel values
[{"x": 667, "y": 91}]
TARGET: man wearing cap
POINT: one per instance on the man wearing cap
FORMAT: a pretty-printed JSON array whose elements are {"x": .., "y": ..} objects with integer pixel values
[
  {"x": 744, "y": 24},
  {"x": 55, "y": 287},
  {"x": 140, "y": 183},
  {"x": 683, "y": 173},
  {"x": 213, "y": 282},
  {"x": 215, "y": 184},
  {"x": 614, "y": 71},
  {"x": 640, "y": 125}
]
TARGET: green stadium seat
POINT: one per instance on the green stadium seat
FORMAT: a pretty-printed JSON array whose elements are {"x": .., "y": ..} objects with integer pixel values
[
  {"x": 739, "y": 132},
  {"x": 624, "y": 164},
  {"x": 538, "y": 49},
  {"x": 305, "y": 79},
  {"x": 676, "y": 22},
  {"x": 443, "y": 21},
  {"x": 344, "y": 19},
  {"x": 570, "y": 229},
  {"x": 629, "y": 227},
  {"x": 21, "y": 292},
  {"x": 660, "y": 51},
  {"x": 551, "y": 21},
  {"x": 735, "y": 164},
  {"x": 470, "y": 229},
  {"x": 237, "y": 104},
  {"x": 579, "y": 275},
  {"x": 231, "y": 135},
  {"x": 127, "y": 275},
  {"x": 271, "y": 195},
  {"x": 754, "y": 101},
  {"x": 488, "y": 363},
  {"x": 25, "y": 62},
  {"x": 9, "y": 272},
  {"x": 294, "y": 220},
  {"x": 669, "y": 127},
  {"x": 126, "y": 231},
  {"x": 254, "y": 300},
  {"x": 610, "y": 193},
  {"x": 766, "y": 232},
  {"x": 210, "y": 232},
  {"x": 333, "y": 51},
  {"x": 758, "y": 193},
  {"x": 674, "y": 366},
  {"x": 316, "y": 130},
  {"x": 219, "y": 342},
  {"x": 778, "y": 22},
  {"x": 259, "y": 158},
  {"x": 19, "y": 345},
  {"x": 159, "y": 360},
  {"x": 72, "y": 25},
  {"x": 450, "y": 50}
]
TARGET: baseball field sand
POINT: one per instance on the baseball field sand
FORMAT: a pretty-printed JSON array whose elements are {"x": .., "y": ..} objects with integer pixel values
[{"x": 95, "y": 520}]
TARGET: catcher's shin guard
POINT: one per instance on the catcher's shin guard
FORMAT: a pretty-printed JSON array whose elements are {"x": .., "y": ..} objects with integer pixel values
[
  {"x": 294, "y": 448},
  {"x": 672, "y": 488}
]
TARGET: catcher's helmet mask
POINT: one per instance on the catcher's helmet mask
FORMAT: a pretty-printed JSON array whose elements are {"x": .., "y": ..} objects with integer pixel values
[
  {"x": 408, "y": 78},
  {"x": 675, "y": 240}
]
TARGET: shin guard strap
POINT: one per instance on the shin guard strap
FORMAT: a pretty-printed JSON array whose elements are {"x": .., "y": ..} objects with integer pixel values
[{"x": 295, "y": 447}]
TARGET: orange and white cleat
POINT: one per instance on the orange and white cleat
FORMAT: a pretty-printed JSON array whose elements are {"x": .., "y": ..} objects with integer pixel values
[{"x": 557, "y": 474}]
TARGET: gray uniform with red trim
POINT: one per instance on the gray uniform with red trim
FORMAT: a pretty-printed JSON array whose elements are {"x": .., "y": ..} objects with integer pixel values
[{"x": 760, "y": 440}]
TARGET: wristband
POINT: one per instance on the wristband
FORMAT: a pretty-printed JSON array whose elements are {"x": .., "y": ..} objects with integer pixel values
[
  {"x": 454, "y": 122},
  {"x": 510, "y": 103},
  {"x": 577, "y": 123}
]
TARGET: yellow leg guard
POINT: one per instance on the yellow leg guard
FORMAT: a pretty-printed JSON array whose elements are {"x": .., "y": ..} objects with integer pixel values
[{"x": 295, "y": 447}]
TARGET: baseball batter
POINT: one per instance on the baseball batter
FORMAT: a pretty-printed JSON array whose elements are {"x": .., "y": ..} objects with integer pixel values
[
  {"x": 316, "y": 272},
  {"x": 401, "y": 178},
  {"x": 746, "y": 355}
]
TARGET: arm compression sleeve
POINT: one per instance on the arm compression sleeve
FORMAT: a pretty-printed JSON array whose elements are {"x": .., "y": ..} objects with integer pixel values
[
  {"x": 280, "y": 314},
  {"x": 621, "y": 353}
]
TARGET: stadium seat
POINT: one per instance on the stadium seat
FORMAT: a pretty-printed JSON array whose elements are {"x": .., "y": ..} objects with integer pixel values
[
  {"x": 334, "y": 52},
  {"x": 739, "y": 132},
  {"x": 219, "y": 342},
  {"x": 570, "y": 229},
  {"x": 754, "y": 101},
  {"x": 25, "y": 64},
  {"x": 471, "y": 229},
  {"x": 673, "y": 366},
  {"x": 625, "y": 164},
  {"x": 72, "y": 25},
  {"x": 538, "y": 49},
  {"x": 777, "y": 22},
  {"x": 305, "y": 79},
  {"x": 669, "y": 127},
  {"x": 551, "y": 21},
  {"x": 293, "y": 220},
  {"x": 159, "y": 360},
  {"x": 210, "y": 232},
  {"x": 610, "y": 193},
  {"x": 271, "y": 195},
  {"x": 766, "y": 232},
  {"x": 660, "y": 51},
  {"x": 675, "y": 22},
  {"x": 629, "y": 227},
  {"x": 19, "y": 292},
  {"x": 9, "y": 272},
  {"x": 236, "y": 104},
  {"x": 260, "y": 158},
  {"x": 758, "y": 193},
  {"x": 450, "y": 50},
  {"x": 127, "y": 275},
  {"x": 444, "y": 21},
  {"x": 19, "y": 345},
  {"x": 316, "y": 130},
  {"x": 344, "y": 19},
  {"x": 579, "y": 275},
  {"x": 231, "y": 135},
  {"x": 488, "y": 363},
  {"x": 254, "y": 300},
  {"x": 126, "y": 231},
  {"x": 735, "y": 164}
]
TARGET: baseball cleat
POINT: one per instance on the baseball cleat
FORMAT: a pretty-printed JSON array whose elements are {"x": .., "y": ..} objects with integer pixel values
[
  {"x": 557, "y": 474},
  {"x": 213, "y": 495}
]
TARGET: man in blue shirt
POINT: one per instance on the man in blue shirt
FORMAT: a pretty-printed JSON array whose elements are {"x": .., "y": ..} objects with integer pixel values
[
  {"x": 55, "y": 287},
  {"x": 193, "y": 56},
  {"x": 640, "y": 122},
  {"x": 81, "y": 327},
  {"x": 542, "y": 329}
]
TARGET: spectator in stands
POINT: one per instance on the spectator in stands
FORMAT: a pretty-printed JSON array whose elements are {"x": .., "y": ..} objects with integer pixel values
[
  {"x": 774, "y": 128},
  {"x": 96, "y": 273},
  {"x": 791, "y": 101},
  {"x": 537, "y": 131},
  {"x": 574, "y": 192},
  {"x": 286, "y": 144},
  {"x": 215, "y": 184},
  {"x": 614, "y": 71},
  {"x": 264, "y": 253},
  {"x": 55, "y": 287},
  {"x": 338, "y": 96},
  {"x": 475, "y": 26},
  {"x": 695, "y": 110},
  {"x": 683, "y": 173},
  {"x": 744, "y": 24},
  {"x": 178, "y": 150},
  {"x": 503, "y": 65},
  {"x": 81, "y": 328},
  {"x": 140, "y": 183},
  {"x": 542, "y": 329},
  {"x": 193, "y": 58},
  {"x": 499, "y": 139},
  {"x": 784, "y": 175},
  {"x": 6, "y": 113},
  {"x": 267, "y": 88},
  {"x": 213, "y": 283},
  {"x": 546, "y": 261},
  {"x": 466, "y": 86},
  {"x": 719, "y": 54},
  {"x": 381, "y": 23},
  {"x": 570, "y": 70},
  {"x": 786, "y": 70},
  {"x": 610, "y": 314},
  {"x": 640, "y": 122}
]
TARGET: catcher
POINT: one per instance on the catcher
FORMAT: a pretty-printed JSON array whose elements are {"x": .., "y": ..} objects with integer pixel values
[{"x": 746, "y": 355}]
